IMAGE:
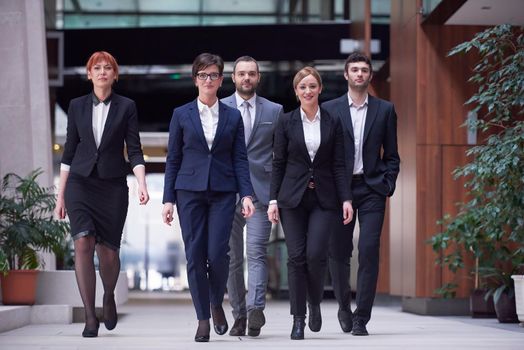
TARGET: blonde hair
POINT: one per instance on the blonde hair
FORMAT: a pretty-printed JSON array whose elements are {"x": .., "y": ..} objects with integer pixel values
[{"x": 304, "y": 72}]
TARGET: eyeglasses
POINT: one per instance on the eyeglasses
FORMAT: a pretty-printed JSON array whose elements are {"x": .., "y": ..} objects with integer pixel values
[{"x": 204, "y": 76}]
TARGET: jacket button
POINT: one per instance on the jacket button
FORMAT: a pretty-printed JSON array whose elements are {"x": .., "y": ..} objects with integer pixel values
[{"x": 310, "y": 169}]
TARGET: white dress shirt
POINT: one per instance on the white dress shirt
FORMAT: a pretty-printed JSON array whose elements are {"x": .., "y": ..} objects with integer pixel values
[
  {"x": 358, "y": 120},
  {"x": 209, "y": 120},
  {"x": 311, "y": 133}
]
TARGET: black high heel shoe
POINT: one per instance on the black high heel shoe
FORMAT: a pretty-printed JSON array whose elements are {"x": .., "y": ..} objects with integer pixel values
[
  {"x": 91, "y": 333},
  {"x": 202, "y": 333},
  {"x": 110, "y": 314}
]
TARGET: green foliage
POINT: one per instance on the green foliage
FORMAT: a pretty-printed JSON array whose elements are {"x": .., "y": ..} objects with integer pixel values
[
  {"x": 490, "y": 226},
  {"x": 26, "y": 222}
]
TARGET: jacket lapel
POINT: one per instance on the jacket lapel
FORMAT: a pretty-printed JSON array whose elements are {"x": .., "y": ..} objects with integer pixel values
[
  {"x": 370, "y": 116},
  {"x": 299, "y": 133},
  {"x": 87, "y": 118},
  {"x": 223, "y": 117},
  {"x": 111, "y": 115},
  {"x": 325, "y": 128},
  {"x": 345, "y": 115},
  {"x": 258, "y": 116},
  {"x": 194, "y": 116}
]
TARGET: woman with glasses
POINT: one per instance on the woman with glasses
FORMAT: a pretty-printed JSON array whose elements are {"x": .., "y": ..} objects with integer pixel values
[
  {"x": 206, "y": 167},
  {"x": 93, "y": 187},
  {"x": 309, "y": 186}
]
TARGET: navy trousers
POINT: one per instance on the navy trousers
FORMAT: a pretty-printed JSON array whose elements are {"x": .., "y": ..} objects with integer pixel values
[{"x": 206, "y": 218}]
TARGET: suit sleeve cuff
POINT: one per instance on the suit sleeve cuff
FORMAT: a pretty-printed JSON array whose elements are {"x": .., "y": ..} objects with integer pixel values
[{"x": 64, "y": 167}]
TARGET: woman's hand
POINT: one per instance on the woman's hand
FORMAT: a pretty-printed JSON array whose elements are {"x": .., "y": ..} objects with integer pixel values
[
  {"x": 347, "y": 210},
  {"x": 272, "y": 213},
  {"x": 143, "y": 195},
  {"x": 248, "y": 209},
  {"x": 167, "y": 213},
  {"x": 60, "y": 210}
]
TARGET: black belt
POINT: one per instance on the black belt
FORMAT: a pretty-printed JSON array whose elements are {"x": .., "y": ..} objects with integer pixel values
[{"x": 358, "y": 176}]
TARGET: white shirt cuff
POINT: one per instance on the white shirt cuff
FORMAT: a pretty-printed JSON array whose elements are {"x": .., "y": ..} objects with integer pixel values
[
  {"x": 64, "y": 167},
  {"x": 273, "y": 201},
  {"x": 138, "y": 165}
]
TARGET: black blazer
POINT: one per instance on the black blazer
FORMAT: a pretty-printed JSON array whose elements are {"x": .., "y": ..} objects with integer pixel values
[
  {"x": 292, "y": 166},
  {"x": 80, "y": 151},
  {"x": 380, "y": 150}
]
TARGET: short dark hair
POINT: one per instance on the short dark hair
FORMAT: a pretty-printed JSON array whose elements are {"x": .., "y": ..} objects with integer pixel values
[
  {"x": 245, "y": 59},
  {"x": 205, "y": 60},
  {"x": 357, "y": 57}
]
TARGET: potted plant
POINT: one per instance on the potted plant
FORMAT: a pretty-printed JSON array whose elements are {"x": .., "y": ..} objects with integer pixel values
[
  {"x": 489, "y": 226},
  {"x": 26, "y": 227}
]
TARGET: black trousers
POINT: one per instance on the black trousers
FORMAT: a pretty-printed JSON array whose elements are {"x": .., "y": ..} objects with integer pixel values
[
  {"x": 307, "y": 229},
  {"x": 369, "y": 206}
]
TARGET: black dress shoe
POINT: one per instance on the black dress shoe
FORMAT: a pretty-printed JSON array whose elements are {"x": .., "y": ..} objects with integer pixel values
[
  {"x": 219, "y": 319},
  {"x": 359, "y": 328},
  {"x": 202, "y": 333},
  {"x": 315, "y": 318},
  {"x": 345, "y": 318},
  {"x": 110, "y": 314},
  {"x": 299, "y": 323},
  {"x": 91, "y": 332},
  {"x": 239, "y": 327},
  {"x": 256, "y": 320}
]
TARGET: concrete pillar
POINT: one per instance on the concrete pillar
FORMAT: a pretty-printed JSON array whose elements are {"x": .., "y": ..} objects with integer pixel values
[
  {"x": 25, "y": 132},
  {"x": 25, "y": 126}
]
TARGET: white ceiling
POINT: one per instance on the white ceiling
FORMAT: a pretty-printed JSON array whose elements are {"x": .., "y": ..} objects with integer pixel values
[{"x": 489, "y": 12}]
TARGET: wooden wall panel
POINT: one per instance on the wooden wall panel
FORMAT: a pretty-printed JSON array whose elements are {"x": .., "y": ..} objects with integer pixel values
[
  {"x": 443, "y": 86},
  {"x": 403, "y": 95},
  {"x": 428, "y": 90},
  {"x": 453, "y": 191},
  {"x": 429, "y": 210}
]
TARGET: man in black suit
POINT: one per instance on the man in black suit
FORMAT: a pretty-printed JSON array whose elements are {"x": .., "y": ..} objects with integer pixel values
[{"x": 372, "y": 163}]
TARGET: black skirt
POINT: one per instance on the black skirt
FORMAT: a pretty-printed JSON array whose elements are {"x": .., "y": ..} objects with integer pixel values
[{"x": 97, "y": 207}]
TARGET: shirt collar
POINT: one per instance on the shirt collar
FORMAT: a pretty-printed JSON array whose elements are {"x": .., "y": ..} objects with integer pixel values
[
  {"x": 304, "y": 117},
  {"x": 213, "y": 108},
  {"x": 351, "y": 103},
  {"x": 240, "y": 100},
  {"x": 96, "y": 100}
]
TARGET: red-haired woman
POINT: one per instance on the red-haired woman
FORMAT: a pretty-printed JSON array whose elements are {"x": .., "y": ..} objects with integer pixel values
[{"x": 93, "y": 188}]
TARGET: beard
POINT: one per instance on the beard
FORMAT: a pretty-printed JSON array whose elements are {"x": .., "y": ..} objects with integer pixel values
[
  {"x": 247, "y": 91},
  {"x": 360, "y": 87}
]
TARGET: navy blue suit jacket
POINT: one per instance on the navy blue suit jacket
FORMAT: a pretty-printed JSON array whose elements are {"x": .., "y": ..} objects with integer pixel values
[{"x": 192, "y": 166}]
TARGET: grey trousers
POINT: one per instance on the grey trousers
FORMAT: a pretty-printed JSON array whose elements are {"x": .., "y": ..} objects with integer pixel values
[{"x": 257, "y": 237}]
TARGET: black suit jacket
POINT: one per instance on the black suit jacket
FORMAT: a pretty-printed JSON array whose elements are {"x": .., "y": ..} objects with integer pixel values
[
  {"x": 292, "y": 166},
  {"x": 80, "y": 151},
  {"x": 380, "y": 150}
]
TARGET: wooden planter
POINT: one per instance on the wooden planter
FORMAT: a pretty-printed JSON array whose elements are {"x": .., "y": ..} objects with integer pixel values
[{"x": 19, "y": 287}]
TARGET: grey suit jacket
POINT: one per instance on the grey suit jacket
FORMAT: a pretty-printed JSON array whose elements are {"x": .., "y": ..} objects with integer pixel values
[{"x": 260, "y": 144}]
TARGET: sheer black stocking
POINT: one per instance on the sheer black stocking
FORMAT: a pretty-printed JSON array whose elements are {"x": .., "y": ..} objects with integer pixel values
[
  {"x": 86, "y": 277},
  {"x": 109, "y": 270}
]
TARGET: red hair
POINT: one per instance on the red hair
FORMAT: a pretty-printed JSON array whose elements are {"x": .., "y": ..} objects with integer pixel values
[{"x": 101, "y": 56}]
